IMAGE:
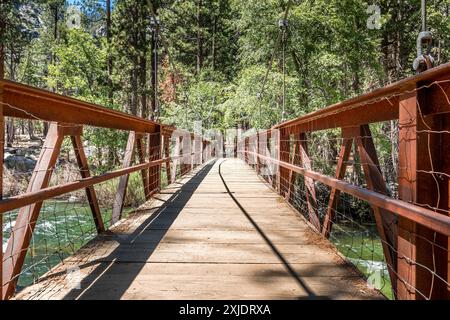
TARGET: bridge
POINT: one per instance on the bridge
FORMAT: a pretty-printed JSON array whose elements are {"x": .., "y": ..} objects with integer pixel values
[{"x": 185, "y": 217}]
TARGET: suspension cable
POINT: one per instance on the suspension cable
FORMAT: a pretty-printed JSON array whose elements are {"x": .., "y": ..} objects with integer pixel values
[
  {"x": 275, "y": 49},
  {"x": 424, "y": 15},
  {"x": 424, "y": 60},
  {"x": 283, "y": 112}
]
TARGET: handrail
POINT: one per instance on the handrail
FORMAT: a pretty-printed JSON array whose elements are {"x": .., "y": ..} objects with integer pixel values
[
  {"x": 68, "y": 116},
  {"x": 354, "y": 111},
  {"x": 28, "y": 198},
  {"x": 22, "y": 101},
  {"x": 423, "y": 216}
]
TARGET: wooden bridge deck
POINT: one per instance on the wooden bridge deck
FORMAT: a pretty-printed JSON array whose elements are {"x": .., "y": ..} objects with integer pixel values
[{"x": 194, "y": 242}]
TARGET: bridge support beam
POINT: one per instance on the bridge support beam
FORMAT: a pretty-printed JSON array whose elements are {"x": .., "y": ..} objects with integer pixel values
[
  {"x": 166, "y": 154},
  {"x": 27, "y": 217},
  {"x": 176, "y": 160},
  {"x": 85, "y": 173},
  {"x": 422, "y": 254},
  {"x": 283, "y": 155},
  {"x": 154, "y": 152},
  {"x": 310, "y": 188},
  {"x": 344, "y": 154},
  {"x": 135, "y": 143},
  {"x": 386, "y": 224},
  {"x": 2, "y": 139}
]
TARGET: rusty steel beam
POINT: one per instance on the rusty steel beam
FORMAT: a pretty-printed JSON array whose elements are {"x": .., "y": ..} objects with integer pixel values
[
  {"x": 26, "y": 102},
  {"x": 385, "y": 221},
  {"x": 425, "y": 217},
  {"x": 22, "y": 231},
  {"x": 166, "y": 148},
  {"x": 2, "y": 139},
  {"x": 374, "y": 106},
  {"x": 123, "y": 181},
  {"x": 310, "y": 188},
  {"x": 283, "y": 155},
  {"x": 344, "y": 154},
  {"x": 420, "y": 249},
  {"x": 29, "y": 198},
  {"x": 294, "y": 159},
  {"x": 140, "y": 147},
  {"x": 154, "y": 153},
  {"x": 85, "y": 173}
]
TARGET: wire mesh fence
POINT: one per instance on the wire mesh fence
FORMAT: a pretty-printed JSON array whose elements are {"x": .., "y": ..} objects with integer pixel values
[
  {"x": 402, "y": 158},
  {"x": 47, "y": 232}
]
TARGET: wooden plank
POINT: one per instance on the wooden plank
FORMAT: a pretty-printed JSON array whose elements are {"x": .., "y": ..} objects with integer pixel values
[
  {"x": 199, "y": 281},
  {"x": 170, "y": 249}
]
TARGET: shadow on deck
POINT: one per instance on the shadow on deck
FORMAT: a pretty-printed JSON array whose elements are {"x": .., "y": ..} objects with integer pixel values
[{"x": 219, "y": 233}]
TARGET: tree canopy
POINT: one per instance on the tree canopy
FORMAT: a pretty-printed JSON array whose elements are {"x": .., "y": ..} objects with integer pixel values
[{"x": 227, "y": 63}]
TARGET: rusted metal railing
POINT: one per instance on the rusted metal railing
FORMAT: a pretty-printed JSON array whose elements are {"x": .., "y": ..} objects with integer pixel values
[
  {"x": 411, "y": 213},
  {"x": 166, "y": 147}
]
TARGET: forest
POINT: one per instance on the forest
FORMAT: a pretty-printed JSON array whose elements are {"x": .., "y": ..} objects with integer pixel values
[{"x": 227, "y": 63}]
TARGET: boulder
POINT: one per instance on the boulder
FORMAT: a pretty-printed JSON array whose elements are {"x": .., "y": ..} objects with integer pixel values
[{"x": 20, "y": 163}]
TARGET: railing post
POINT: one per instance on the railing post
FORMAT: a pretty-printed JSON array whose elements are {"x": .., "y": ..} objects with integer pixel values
[
  {"x": 422, "y": 152},
  {"x": 85, "y": 173},
  {"x": 176, "y": 156},
  {"x": 258, "y": 163},
  {"x": 203, "y": 154},
  {"x": 140, "y": 147},
  {"x": 2, "y": 144},
  {"x": 166, "y": 146},
  {"x": 154, "y": 147},
  {"x": 294, "y": 159},
  {"x": 123, "y": 181},
  {"x": 386, "y": 222},
  {"x": 246, "y": 150},
  {"x": 27, "y": 217},
  {"x": 191, "y": 151},
  {"x": 283, "y": 155},
  {"x": 341, "y": 167},
  {"x": 183, "y": 147},
  {"x": 310, "y": 188}
]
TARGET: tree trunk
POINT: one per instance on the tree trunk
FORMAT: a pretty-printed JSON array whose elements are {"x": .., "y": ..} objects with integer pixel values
[
  {"x": 199, "y": 38},
  {"x": 213, "y": 49},
  {"x": 143, "y": 85},
  {"x": 109, "y": 62},
  {"x": 10, "y": 132},
  {"x": 154, "y": 68},
  {"x": 134, "y": 87},
  {"x": 2, "y": 53},
  {"x": 31, "y": 130}
]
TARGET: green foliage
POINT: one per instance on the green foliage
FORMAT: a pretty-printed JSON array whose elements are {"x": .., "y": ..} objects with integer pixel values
[
  {"x": 79, "y": 67},
  {"x": 222, "y": 60}
]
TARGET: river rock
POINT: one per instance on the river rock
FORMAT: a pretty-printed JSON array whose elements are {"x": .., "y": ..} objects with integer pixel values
[{"x": 20, "y": 163}]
